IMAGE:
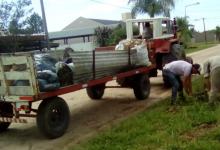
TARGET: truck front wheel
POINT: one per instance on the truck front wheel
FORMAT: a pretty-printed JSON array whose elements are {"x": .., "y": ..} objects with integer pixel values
[
  {"x": 96, "y": 92},
  {"x": 142, "y": 87},
  {"x": 6, "y": 110},
  {"x": 53, "y": 117}
]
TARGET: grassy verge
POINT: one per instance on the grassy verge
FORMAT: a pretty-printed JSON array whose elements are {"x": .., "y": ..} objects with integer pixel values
[
  {"x": 194, "y": 47},
  {"x": 192, "y": 125}
]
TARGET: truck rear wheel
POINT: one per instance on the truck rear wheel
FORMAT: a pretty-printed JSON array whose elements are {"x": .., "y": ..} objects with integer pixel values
[
  {"x": 96, "y": 92},
  {"x": 6, "y": 110},
  {"x": 142, "y": 87},
  {"x": 53, "y": 117},
  {"x": 176, "y": 53}
]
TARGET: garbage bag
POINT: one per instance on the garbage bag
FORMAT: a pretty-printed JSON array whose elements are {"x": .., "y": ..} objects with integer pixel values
[
  {"x": 128, "y": 44},
  {"x": 44, "y": 86},
  {"x": 45, "y": 62},
  {"x": 47, "y": 75},
  {"x": 142, "y": 55},
  {"x": 65, "y": 73}
]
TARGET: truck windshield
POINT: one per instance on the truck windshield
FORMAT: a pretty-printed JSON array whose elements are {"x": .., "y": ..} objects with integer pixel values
[{"x": 167, "y": 27}]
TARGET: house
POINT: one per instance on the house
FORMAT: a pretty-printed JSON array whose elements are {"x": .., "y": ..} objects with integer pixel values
[
  {"x": 79, "y": 34},
  {"x": 210, "y": 36}
]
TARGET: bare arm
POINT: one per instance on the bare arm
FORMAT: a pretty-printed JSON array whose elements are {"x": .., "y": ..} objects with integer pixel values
[
  {"x": 187, "y": 84},
  {"x": 207, "y": 84}
]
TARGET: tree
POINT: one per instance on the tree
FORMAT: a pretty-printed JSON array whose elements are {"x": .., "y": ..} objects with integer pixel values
[
  {"x": 217, "y": 32},
  {"x": 14, "y": 15},
  {"x": 18, "y": 19},
  {"x": 5, "y": 13},
  {"x": 34, "y": 24},
  {"x": 119, "y": 33},
  {"x": 185, "y": 34},
  {"x": 152, "y": 7},
  {"x": 102, "y": 35},
  {"x": 111, "y": 36},
  {"x": 167, "y": 5}
]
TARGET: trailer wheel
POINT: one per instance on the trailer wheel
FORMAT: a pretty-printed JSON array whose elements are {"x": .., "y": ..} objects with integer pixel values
[
  {"x": 96, "y": 92},
  {"x": 53, "y": 117},
  {"x": 142, "y": 87},
  {"x": 6, "y": 110}
]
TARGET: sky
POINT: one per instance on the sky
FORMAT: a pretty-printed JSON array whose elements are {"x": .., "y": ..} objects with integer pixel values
[{"x": 60, "y": 13}]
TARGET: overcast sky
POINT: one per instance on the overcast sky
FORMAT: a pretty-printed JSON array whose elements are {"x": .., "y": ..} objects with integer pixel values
[{"x": 60, "y": 13}]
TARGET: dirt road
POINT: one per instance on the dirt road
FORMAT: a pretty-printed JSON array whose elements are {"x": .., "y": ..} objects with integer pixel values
[{"x": 89, "y": 117}]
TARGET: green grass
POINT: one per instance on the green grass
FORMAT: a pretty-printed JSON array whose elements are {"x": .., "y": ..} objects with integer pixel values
[
  {"x": 192, "y": 125},
  {"x": 199, "y": 46}
]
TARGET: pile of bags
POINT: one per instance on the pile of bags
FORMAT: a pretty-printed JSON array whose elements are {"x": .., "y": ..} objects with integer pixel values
[
  {"x": 128, "y": 44},
  {"x": 54, "y": 72},
  {"x": 139, "y": 45},
  {"x": 51, "y": 73},
  {"x": 47, "y": 80}
]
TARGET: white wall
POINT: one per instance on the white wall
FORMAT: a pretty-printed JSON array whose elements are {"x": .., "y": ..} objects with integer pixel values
[{"x": 88, "y": 46}]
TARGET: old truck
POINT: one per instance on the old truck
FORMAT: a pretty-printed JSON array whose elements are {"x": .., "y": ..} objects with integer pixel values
[
  {"x": 52, "y": 115},
  {"x": 164, "y": 46}
]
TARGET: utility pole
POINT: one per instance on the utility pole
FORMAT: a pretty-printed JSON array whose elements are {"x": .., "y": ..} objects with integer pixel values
[
  {"x": 203, "y": 19},
  {"x": 45, "y": 24}
]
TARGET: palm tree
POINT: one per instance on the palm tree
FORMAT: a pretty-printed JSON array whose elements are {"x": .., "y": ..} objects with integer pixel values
[
  {"x": 102, "y": 35},
  {"x": 167, "y": 5},
  {"x": 152, "y": 7},
  {"x": 185, "y": 33}
]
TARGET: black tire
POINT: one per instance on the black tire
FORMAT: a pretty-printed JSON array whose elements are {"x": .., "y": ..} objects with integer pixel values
[
  {"x": 53, "y": 117},
  {"x": 96, "y": 92},
  {"x": 176, "y": 53},
  {"x": 142, "y": 87},
  {"x": 6, "y": 110}
]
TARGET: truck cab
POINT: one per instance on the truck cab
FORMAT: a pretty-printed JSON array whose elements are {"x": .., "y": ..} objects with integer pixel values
[
  {"x": 161, "y": 27},
  {"x": 164, "y": 45}
]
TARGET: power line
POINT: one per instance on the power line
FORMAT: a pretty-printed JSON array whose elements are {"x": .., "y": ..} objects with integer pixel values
[
  {"x": 105, "y": 3},
  {"x": 216, "y": 18},
  {"x": 213, "y": 18}
]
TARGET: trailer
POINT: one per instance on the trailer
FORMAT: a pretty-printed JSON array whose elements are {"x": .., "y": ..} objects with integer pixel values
[{"x": 52, "y": 115}]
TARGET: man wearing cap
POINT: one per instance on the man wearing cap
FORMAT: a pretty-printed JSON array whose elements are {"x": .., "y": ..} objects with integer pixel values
[
  {"x": 172, "y": 73},
  {"x": 212, "y": 78}
]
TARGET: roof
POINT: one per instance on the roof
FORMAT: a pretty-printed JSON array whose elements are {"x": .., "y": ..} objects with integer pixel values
[
  {"x": 82, "y": 27},
  {"x": 71, "y": 33},
  {"x": 106, "y": 22},
  {"x": 82, "y": 22}
]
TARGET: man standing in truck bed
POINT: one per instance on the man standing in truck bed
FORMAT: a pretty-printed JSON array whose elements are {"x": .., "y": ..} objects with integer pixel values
[
  {"x": 212, "y": 78},
  {"x": 172, "y": 73}
]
